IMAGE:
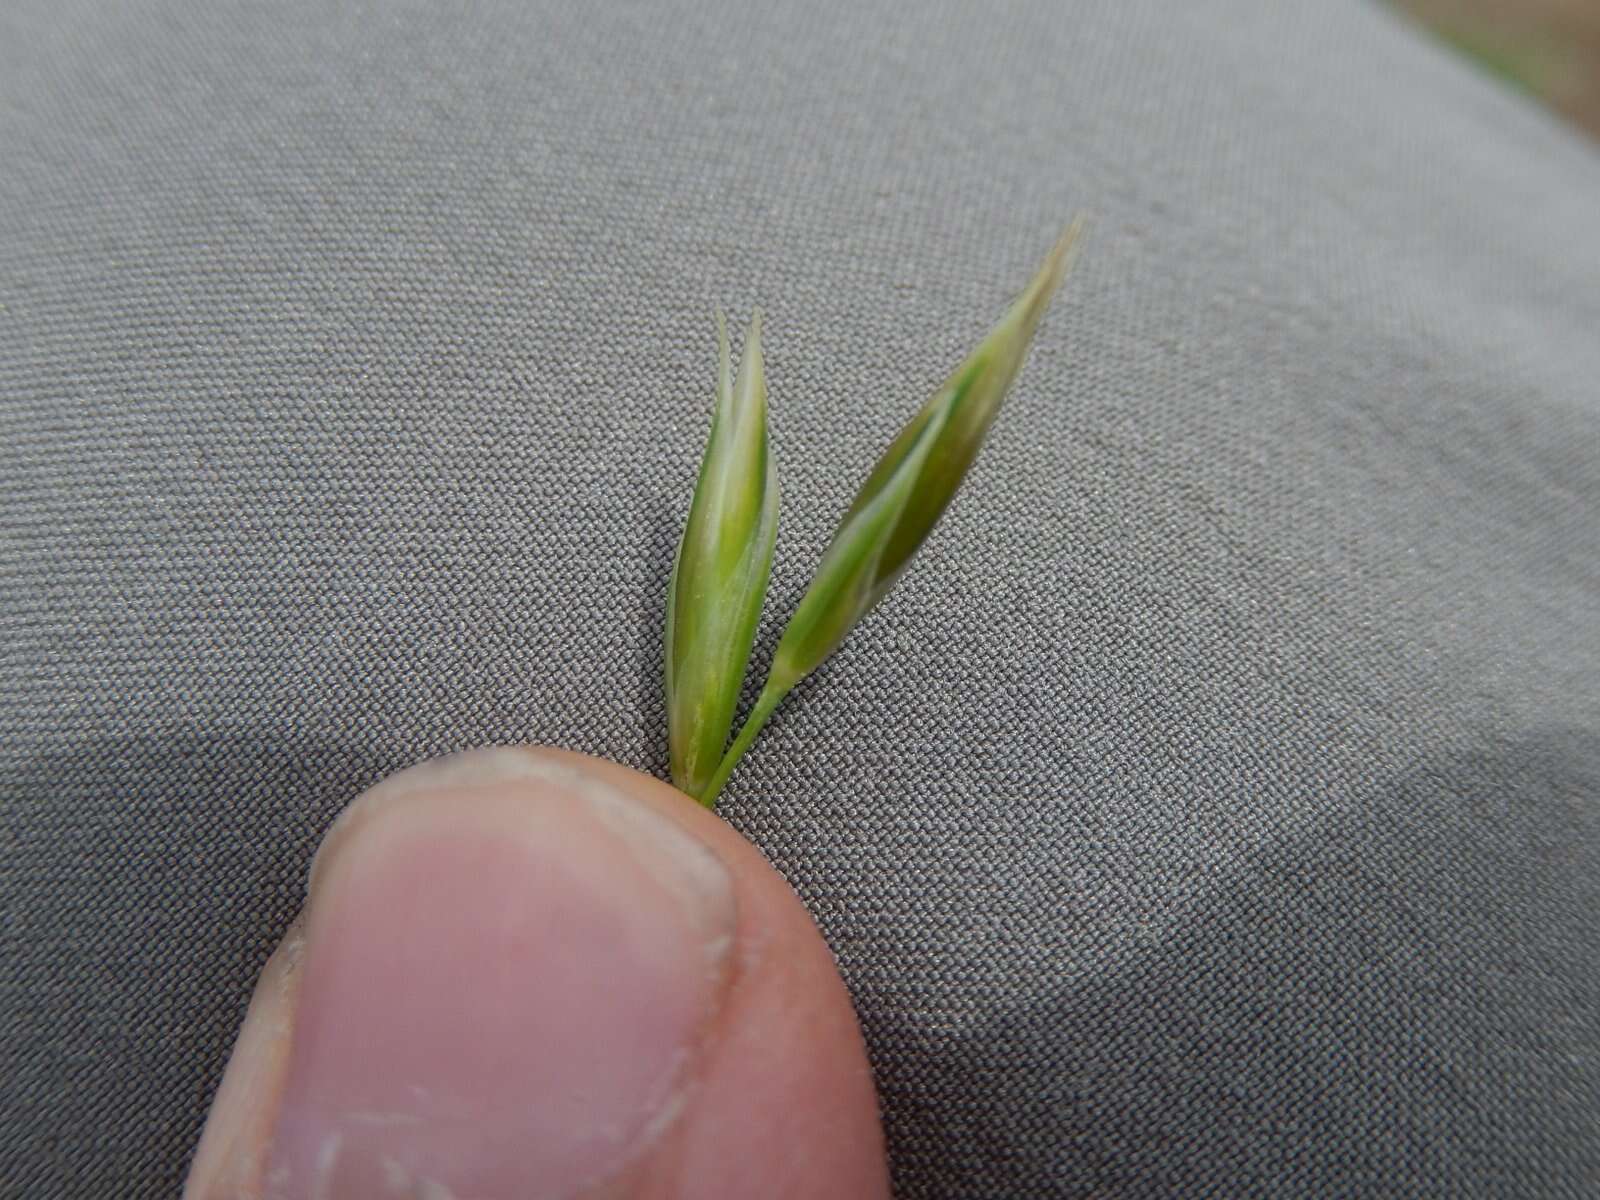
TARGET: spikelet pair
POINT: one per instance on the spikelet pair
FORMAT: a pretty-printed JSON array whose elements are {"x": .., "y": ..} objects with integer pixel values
[{"x": 725, "y": 556}]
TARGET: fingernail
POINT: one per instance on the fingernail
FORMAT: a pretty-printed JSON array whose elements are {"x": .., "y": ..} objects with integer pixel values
[{"x": 509, "y": 966}]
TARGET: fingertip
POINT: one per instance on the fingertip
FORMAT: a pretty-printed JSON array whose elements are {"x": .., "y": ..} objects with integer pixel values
[{"x": 534, "y": 970}]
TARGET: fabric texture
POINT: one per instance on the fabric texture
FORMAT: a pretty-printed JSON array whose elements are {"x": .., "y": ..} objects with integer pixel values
[{"x": 1214, "y": 809}]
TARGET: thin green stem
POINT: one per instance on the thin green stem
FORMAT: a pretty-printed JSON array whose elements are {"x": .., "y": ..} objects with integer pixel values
[{"x": 766, "y": 703}]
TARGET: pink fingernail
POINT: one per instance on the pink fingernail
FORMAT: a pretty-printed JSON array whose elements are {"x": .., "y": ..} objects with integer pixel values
[{"x": 504, "y": 986}]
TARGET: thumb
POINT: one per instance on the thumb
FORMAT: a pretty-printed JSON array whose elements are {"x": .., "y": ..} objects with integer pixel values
[{"x": 527, "y": 973}]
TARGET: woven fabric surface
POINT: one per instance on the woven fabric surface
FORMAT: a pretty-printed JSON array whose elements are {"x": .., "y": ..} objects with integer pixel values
[{"x": 1213, "y": 810}]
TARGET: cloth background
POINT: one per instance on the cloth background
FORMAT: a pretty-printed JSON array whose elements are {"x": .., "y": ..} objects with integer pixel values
[{"x": 1213, "y": 810}]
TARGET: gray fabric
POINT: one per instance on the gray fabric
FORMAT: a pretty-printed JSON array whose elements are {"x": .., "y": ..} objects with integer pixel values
[{"x": 1214, "y": 810}]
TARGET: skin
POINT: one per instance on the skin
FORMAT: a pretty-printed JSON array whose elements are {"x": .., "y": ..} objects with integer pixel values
[{"x": 452, "y": 910}]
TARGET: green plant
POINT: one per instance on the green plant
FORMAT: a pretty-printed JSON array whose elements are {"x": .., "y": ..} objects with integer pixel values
[{"x": 726, "y": 552}]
